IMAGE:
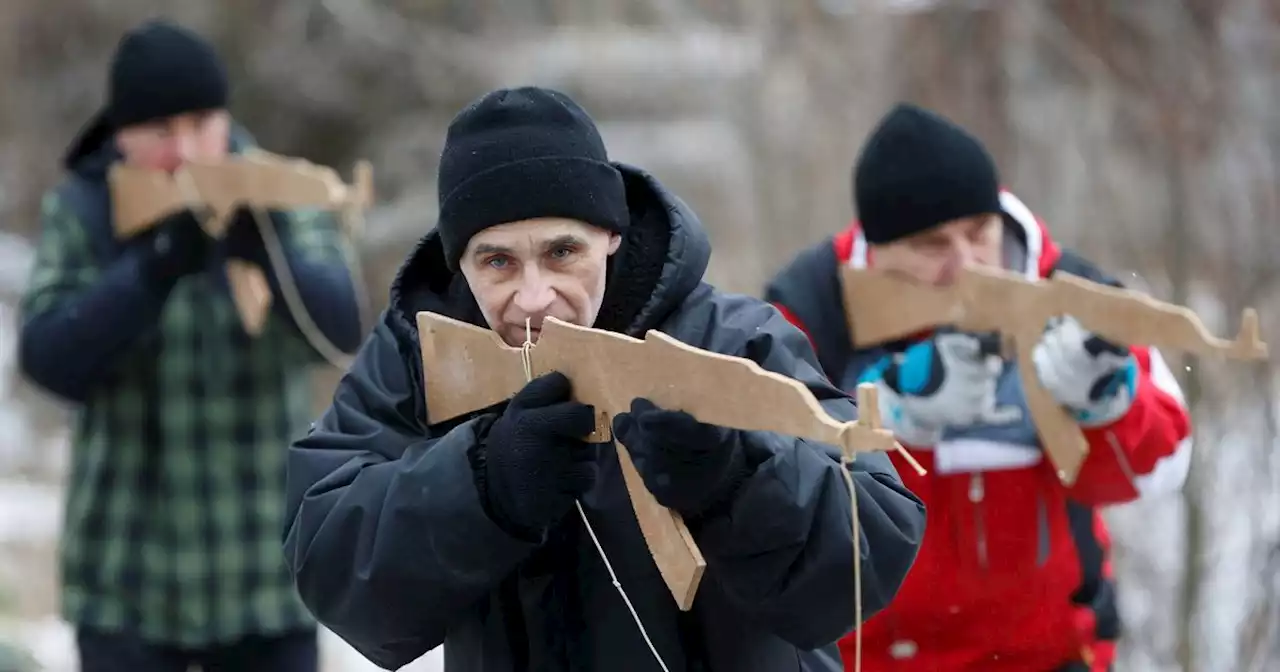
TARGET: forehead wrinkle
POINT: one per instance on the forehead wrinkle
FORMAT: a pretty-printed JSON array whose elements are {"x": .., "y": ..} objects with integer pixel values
[
  {"x": 562, "y": 240},
  {"x": 490, "y": 248},
  {"x": 534, "y": 237}
]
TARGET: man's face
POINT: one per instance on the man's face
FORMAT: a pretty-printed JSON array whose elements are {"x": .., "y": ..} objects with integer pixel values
[
  {"x": 538, "y": 268},
  {"x": 165, "y": 144},
  {"x": 937, "y": 256}
]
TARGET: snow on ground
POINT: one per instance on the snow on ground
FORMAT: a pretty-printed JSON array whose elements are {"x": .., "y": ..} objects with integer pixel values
[{"x": 51, "y": 643}]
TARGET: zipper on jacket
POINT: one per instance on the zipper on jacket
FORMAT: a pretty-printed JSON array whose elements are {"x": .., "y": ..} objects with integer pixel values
[{"x": 976, "y": 494}]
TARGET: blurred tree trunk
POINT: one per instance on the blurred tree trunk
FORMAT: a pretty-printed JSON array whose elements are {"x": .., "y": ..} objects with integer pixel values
[
  {"x": 1192, "y": 101},
  {"x": 1180, "y": 285}
]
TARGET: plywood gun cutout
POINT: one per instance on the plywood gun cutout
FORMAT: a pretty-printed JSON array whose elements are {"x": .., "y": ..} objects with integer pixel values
[
  {"x": 257, "y": 178},
  {"x": 882, "y": 307},
  {"x": 467, "y": 368}
]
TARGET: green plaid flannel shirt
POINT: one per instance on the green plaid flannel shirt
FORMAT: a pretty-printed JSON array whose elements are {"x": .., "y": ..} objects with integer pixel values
[{"x": 175, "y": 500}]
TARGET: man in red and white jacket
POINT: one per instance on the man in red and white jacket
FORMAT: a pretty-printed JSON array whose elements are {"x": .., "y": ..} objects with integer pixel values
[{"x": 1014, "y": 573}]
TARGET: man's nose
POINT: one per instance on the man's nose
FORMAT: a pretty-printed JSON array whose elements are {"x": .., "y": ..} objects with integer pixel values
[
  {"x": 184, "y": 145},
  {"x": 961, "y": 257},
  {"x": 535, "y": 294}
]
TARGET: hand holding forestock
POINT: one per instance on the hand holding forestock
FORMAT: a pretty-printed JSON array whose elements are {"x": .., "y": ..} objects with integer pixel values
[
  {"x": 257, "y": 179},
  {"x": 467, "y": 368},
  {"x": 882, "y": 307}
]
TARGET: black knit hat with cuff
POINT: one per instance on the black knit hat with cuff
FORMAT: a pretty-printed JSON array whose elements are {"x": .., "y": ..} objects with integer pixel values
[
  {"x": 524, "y": 153},
  {"x": 919, "y": 170},
  {"x": 161, "y": 69}
]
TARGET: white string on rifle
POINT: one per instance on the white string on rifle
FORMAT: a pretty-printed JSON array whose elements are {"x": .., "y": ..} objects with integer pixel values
[
  {"x": 526, "y": 357},
  {"x": 288, "y": 285},
  {"x": 845, "y": 466},
  {"x": 293, "y": 299}
]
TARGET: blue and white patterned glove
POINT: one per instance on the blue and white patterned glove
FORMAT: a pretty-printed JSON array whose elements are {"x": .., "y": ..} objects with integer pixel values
[
  {"x": 1094, "y": 378},
  {"x": 948, "y": 380}
]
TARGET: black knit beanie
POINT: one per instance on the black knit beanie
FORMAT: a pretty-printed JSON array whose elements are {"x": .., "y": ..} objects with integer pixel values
[
  {"x": 516, "y": 154},
  {"x": 161, "y": 69},
  {"x": 919, "y": 170}
]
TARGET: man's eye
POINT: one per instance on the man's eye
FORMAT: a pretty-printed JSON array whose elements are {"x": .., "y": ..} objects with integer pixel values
[
  {"x": 561, "y": 252},
  {"x": 497, "y": 262}
]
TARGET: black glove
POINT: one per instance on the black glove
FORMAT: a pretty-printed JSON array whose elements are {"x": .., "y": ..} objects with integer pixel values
[
  {"x": 533, "y": 462},
  {"x": 689, "y": 466},
  {"x": 174, "y": 248},
  {"x": 243, "y": 239}
]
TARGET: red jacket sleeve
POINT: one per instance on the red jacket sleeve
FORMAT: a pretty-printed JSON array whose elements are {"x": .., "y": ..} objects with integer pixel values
[{"x": 1147, "y": 451}]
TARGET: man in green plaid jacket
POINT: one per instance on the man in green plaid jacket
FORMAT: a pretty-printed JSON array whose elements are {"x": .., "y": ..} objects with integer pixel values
[{"x": 170, "y": 555}]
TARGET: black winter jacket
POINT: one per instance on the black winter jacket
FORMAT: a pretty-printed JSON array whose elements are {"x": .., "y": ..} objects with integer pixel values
[{"x": 392, "y": 549}]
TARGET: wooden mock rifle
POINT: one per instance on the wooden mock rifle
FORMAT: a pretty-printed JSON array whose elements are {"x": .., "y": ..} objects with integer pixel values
[
  {"x": 882, "y": 307},
  {"x": 256, "y": 179},
  {"x": 467, "y": 368}
]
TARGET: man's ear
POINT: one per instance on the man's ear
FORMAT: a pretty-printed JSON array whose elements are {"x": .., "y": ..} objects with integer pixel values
[{"x": 615, "y": 241}]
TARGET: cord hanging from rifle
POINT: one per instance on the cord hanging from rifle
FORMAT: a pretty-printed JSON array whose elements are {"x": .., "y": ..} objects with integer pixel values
[
  {"x": 293, "y": 298},
  {"x": 846, "y": 464},
  {"x": 288, "y": 284},
  {"x": 526, "y": 358},
  {"x": 845, "y": 468}
]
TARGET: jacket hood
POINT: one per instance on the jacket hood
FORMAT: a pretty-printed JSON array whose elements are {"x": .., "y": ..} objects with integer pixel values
[
  {"x": 662, "y": 259},
  {"x": 93, "y": 150}
]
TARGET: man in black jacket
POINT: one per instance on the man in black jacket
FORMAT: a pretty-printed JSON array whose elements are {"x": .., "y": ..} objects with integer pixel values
[{"x": 406, "y": 534}]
